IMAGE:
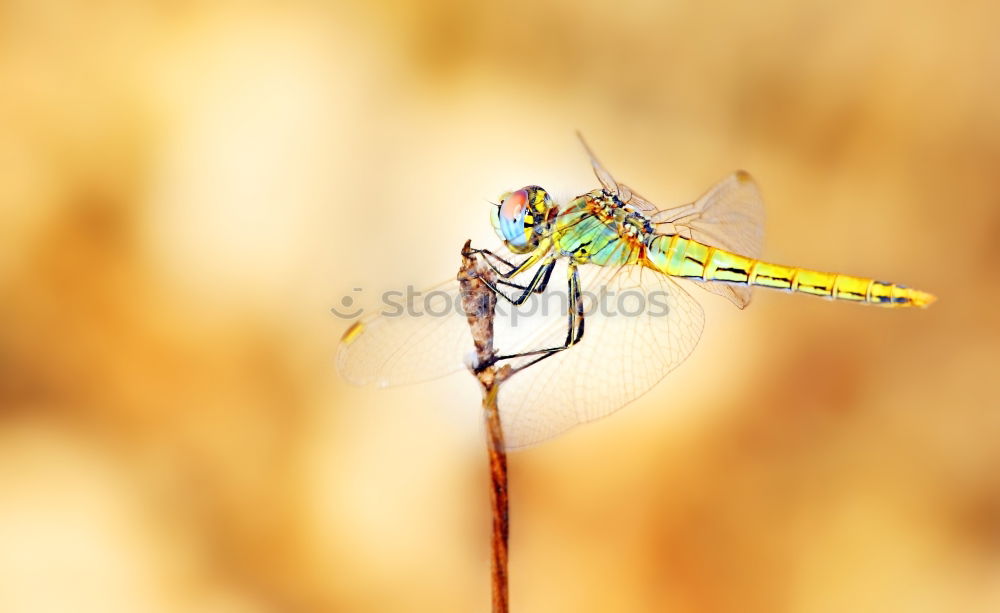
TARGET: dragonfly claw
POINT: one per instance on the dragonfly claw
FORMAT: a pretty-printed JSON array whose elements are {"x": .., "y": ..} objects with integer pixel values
[{"x": 473, "y": 364}]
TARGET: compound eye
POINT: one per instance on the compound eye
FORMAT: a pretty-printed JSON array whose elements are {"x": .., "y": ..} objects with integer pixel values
[
  {"x": 514, "y": 205},
  {"x": 511, "y": 216}
]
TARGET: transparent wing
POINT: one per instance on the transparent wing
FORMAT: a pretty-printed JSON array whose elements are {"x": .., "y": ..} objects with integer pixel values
[
  {"x": 415, "y": 342},
  {"x": 624, "y": 192},
  {"x": 730, "y": 216},
  {"x": 638, "y": 327},
  {"x": 411, "y": 340},
  {"x": 638, "y": 201},
  {"x": 603, "y": 175}
]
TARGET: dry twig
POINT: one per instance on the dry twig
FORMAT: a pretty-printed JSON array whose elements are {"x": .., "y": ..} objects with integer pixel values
[{"x": 479, "y": 303}]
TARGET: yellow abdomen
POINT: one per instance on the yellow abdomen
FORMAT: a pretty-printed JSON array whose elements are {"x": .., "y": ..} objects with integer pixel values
[{"x": 681, "y": 257}]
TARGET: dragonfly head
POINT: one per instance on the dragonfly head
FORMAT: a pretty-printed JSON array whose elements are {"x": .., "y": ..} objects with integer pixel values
[{"x": 522, "y": 216}]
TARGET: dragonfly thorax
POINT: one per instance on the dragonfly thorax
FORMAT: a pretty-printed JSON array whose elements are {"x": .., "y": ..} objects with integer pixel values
[
  {"x": 523, "y": 217},
  {"x": 610, "y": 209}
]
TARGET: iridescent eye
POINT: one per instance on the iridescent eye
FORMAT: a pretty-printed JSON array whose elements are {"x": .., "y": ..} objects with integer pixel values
[
  {"x": 514, "y": 205},
  {"x": 511, "y": 217}
]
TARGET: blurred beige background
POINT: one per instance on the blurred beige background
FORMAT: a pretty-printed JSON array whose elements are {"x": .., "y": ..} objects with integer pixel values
[{"x": 187, "y": 188}]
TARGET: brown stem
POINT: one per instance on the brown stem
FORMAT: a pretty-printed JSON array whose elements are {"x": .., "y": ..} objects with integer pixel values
[
  {"x": 479, "y": 303},
  {"x": 498, "y": 498}
]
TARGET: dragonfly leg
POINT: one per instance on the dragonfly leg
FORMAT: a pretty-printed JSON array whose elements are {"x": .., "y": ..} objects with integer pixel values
[
  {"x": 540, "y": 279},
  {"x": 513, "y": 269},
  {"x": 487, "y": 254},
  {"x": 574, "y": 333},
  {"x": 538, "y": 290}
]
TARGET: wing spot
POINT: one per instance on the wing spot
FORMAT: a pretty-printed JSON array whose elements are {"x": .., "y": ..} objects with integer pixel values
[{"x": 352, "y": 333}]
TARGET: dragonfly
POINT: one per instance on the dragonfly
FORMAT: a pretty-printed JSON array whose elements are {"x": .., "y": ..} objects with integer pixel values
[{"x": 589, "y": 362}]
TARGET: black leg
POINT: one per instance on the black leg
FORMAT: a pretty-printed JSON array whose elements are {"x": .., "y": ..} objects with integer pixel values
[
  {"x": 487, "y": 254},
  {"x": 541, "y": 276},
  {"x": 538, "y": 290},
  {"x": 474, "y": 251},
  {"x": 574, "y": 332}
]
